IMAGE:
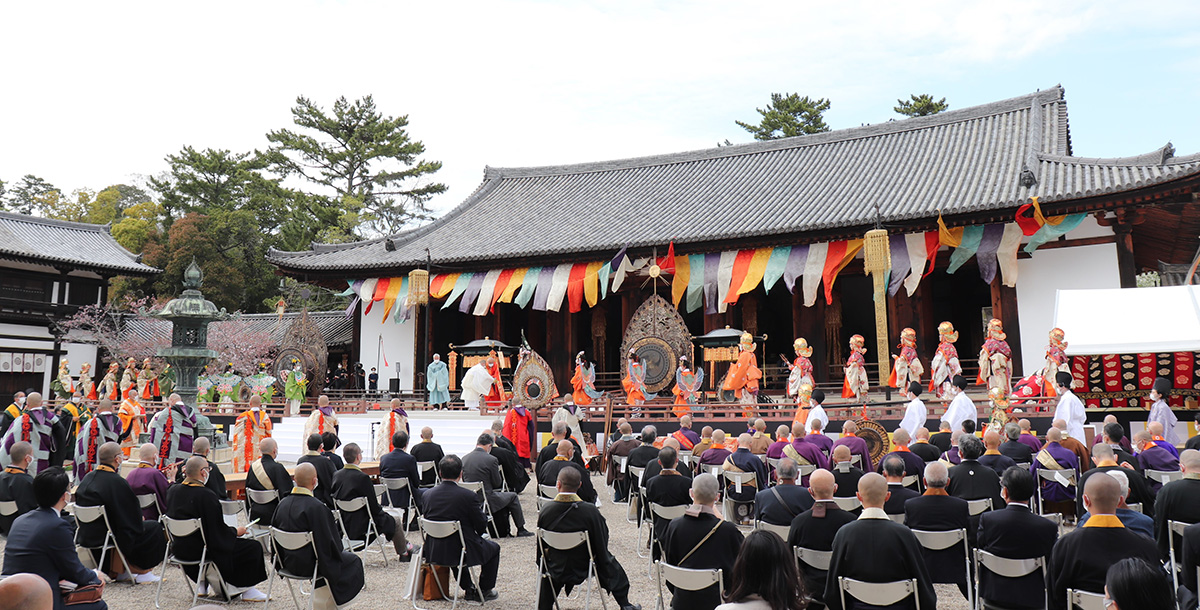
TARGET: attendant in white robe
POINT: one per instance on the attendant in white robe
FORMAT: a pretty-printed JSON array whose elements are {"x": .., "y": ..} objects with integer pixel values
[
  {"x": 915, "y": 413},
  {"x": 477, "y": 384},
  {"x": 961, "y": 408},
  {"x": 1070, "y": 408}
]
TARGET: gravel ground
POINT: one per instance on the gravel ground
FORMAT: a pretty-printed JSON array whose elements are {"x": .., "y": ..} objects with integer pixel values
[{"x": 386, "y": 586}]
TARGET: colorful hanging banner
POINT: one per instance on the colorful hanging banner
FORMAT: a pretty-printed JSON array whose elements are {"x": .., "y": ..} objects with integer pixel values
[
  {"x": 389, "y": 298},
  {"x": 679, "y": 283},
  {"x": 901, "y": 264},
  {"x": 776, "y": 265},
  {"x": 591, "y": 288},
  {"x": 967, "y": 246},
  {"x": 486, "y": 290},
  {"x": 695, "y": 287},
  {"x": 575, "y": 287},
  {"x": 460, "y": 286},
  {"x": 1006, "y": 253},
  {"x": 737, "y": 275},
  {"x": 558, "y": 286},
  {"x": 814, "y": 266},
  {"x": 1050, "y": 232},
  {"x": 840, "y": 255},
  {"x": 986, "y": 255},
  {"x": 797, "y": 259}
]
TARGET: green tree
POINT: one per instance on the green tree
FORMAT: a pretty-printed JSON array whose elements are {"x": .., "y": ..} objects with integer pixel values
[
  {"x": 367, "y": 160},
  {"x": 210, "y": 180},
  {"x": 920, "y": 105},
  {"x": 789, "y": 115},
  {"x": 30, "y": 195}
]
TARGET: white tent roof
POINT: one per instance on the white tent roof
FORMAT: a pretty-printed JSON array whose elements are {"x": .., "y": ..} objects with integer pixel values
[{"x": 1129, "y": 320}]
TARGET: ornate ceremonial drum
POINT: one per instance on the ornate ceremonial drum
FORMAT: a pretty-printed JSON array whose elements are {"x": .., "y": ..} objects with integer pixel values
[{"x": 876, "y": 437}]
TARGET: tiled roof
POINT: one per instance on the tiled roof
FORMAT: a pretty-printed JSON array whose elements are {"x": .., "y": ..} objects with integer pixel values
[
  {"x": 59, "y": 242},
  {"x": 982, "y": 158},
  {"x": 335, "y": 327}
]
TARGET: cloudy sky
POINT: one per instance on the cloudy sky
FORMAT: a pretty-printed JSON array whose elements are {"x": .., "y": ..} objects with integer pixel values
[{"x": 98, "y": 93}]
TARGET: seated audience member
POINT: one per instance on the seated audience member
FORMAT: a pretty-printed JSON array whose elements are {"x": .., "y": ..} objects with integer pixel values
[
  {"x": 498, "y": 434},
  {"x": 239, "y": 560},
  {"x": 701, "y": 540},
  {"x": 1056, "y": 497},
  {"x": 952, "y": 457},
  {"x": 643, "y": 454},
  {"x": 617, "y": 476},
  {"x": 41, "y": 543},
  {"x": 1151, "y": 456},
  {"x": 922, "y": 448},
  {"x": 941, "y": 438},
  {"x": 775, "y": 450},
  {"x": 743, "y": 460},
  {"x": 325, "y": 469},
  {"x": 216, "y": 479},
  {"x": 147, "y": 479},
  {"x": 992, "y": 457},
  {"x": 893, "y": 471},
  {"x": 857, "y": 446},
  {"x": 479, "y": 465},
  {"x": 716, "y": 455},
  {"x": 845, "y": 474},
  {"x": 16, "y": 485},
  {"x": 971, "y": 479},
  {"x": 1155, "y": 428},
  {"x": 1133, "y": 583},
  {"x": 765, "y": 576},
  {"x": 760, "y": 441},
  {"x": 1028, "y": 437},
  {"x": 548, "y": 475},
  {"x": 1133, "y": 520},
  {"x": 816, "y": 433},
  {"x": 512, "y": 466},
  {"x": 1013, "y": 448},
  {"x": 913, "y": 464},
  {"x": 450, "y": 502},
  {"x": 1194, "y": 441},
  {"x": 781, "y": 503},
  {"x": 1081, "y": 559},
  {"x": 329, "y": 444},
  {"x": 937, "y": 511},
  {"x": 1015, "y": 533},
  {"x": 1121, "y": 440},
  {"x": 142, "y": 542},
  {"x": 1083, "y": 456},
  {"x": 1190, "y": 560},
  {"x": 398, "y": 464},
  {"x": 570, "y": 513},
  {"x": 1137, "y": 486},
  {"x": 1178, "y": 501},
  {"x": 351, "y": 482},
  {"x": 873, "y": 548},
  {"x": 668, "y": 488},
  {"x": 816, "y": 527},
  {"x": 21, "y": 591},
  {"x": 341, "y": 571},
  {"x": 558, "y": 432},
  {"x": 705, "y": 443},
  {"x": 268, "y": 475},
  {"x": 1114, "y": 436},
  {"x": 686, "y": 438},
  {"x": 428, "y": 451},
  {"x": 655, "y": 466}
]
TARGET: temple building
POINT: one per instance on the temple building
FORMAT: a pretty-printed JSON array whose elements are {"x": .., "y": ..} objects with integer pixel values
[{"x": 989, "y": 212}]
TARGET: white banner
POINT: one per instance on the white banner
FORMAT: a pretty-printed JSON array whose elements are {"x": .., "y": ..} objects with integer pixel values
[
  {"x": 5, "y": 362},
  {"x": 39, "y": 363}
]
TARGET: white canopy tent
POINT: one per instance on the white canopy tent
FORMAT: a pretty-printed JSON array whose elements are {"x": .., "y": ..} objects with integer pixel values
[{"x": 1129, "y": 320}]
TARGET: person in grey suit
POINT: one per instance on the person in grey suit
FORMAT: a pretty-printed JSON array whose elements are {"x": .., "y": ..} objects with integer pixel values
[
  {"x": 479, "y": 465},
  {"x": 42, "y": 543}
]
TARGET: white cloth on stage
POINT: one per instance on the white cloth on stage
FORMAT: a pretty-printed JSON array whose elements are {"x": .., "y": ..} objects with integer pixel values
[{"x": 476, "y": 384}]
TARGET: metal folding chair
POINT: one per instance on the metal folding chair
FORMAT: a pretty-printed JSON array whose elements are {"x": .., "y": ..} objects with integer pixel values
[
  {"x": 283, "y": 543},
  {"x": 713, "y": 469},
  {"x": 738, "y": 480},
  {"x": 345, "y": 507},
  {"x": 878, "y": 593},
  {"x": 260, "y": 497},
  {"x": 182, "y": 528},
  {"x": 1006, "y": 568},
  {"x": 404, "y": 514},
  {"x": 659, "y": 511},
  {"x": 1085, "y": 600},
  {"x": 803, "y": 470},
  {"x": 635, "y": 497},
  {"x": 89, "y": 514},
  {"x": 976, "y": 507},
  {"x": 938, "y": 541},
  {"x": 1136, "y": 506},
  {"x": 780, "y": 530},
  {"x": 548, "y": 491},
  {"x": 911, "y": 480},
  {"x": 898, "y": 518},
  {"x": 847, "y": 504},
  {"x": 147, "y": 500},
  {"x": 818, "y": 560},
  {"x": 8, "y": 508},
  {"x": 442, "y": 529},
  {"x": 565, "y": 541},
  {"x": 477, "y": 487},
  {"x": 1175, "y": 528},
  {"x": 687, "y": 579},
  {"x": 856, "y": 460},
  {"x": 1045, "y": 474},
  {"x": 422, "y": 468},
  {"x": 1164, "y": 476}
]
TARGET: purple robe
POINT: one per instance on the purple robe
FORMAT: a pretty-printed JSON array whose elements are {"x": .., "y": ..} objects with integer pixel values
[
  {"x": 149, "y": 480},
  {"x": 107, "y": 427},
  {"x": 1155, "y": 457},
  {"x": 43, "y": 424},
  {"x": 1168, "y": 446},
  {"x": 1053, "y": 491},
  {"x": 913, "y": 464},
  {"x": 714, "y": 456},
  {"x": 857, "y": 447},
  {"x": 775, "y": 451},
  {"x": 691, "y": 436},
  {"x": 821, "y": 441},
  {"x": 811, "y": 454},
  {"x": 1031, "y": 441},
  {"x": 952, "y": 456}
]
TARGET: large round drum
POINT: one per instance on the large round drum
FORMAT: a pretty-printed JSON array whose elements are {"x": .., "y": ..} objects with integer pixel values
[{"x": 876, "y": 437}]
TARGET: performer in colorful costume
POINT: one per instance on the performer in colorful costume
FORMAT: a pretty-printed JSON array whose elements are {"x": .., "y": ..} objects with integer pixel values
[
  {"x": 995, "y": 358},
  {"x": 1000, "y": 410},
  {"x": 481, "y": 383},
  {"x": 147, "y": 381},
  {"x": 133, "y": 419},
  {"x": 129, "y": 376},
  {"x": 1161, "y": 412},
  {"x": 249, "y": 429},
  {"x": 634, "y": 382},
  {"x": 105, "y": 427},
  {"x": 855, "y": 384},
  {"x": 228, "y": 388},
  {"x": 74, "y": 414},
  {"x": 63, "y": 385},
  {"x": 1056, "y": 360},
  {"x": 321, "y": 420},
  {"x": 906, "y": 367},
  {"x": 945, "y": 364},
  {"x": 570, "y": 415},
  {"x": 801, "y": 369},
  {"x": 496, "y": 394},
  {"x": 86, "y": 386},
  {"x": 39, "y": 427},
  {"x": 166, "y": 381},
  {"x": 204, "y": 386},
  {"x": 261, "y": 384},
  {"x": 295, "y": 386},
  {"x": 583, "y": 382},
  {"x": 689, "y": 386},
  {"x": 393, "y": 422},
  {"x": 437, "y": 382},
  {"x": 803, "y": 405},
  {"x": 173, "y": 431},
  {"x": 744, "y": 374},
  {"x": 108, "y": 383},
  {"x": 518, "y": 428}
]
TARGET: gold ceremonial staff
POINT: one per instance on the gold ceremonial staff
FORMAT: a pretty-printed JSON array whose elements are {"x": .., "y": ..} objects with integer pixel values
[{"x": 877, "y": 261}]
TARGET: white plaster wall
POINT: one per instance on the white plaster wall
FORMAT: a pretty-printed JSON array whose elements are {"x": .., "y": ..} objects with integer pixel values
[
  {"x": 77, "y": 354},
  {"x": 399, "y": 342},
  {"x": 1038, "y": 279}
]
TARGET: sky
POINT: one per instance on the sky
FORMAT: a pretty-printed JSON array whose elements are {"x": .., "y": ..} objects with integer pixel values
[{"x": 98, "y": 93}]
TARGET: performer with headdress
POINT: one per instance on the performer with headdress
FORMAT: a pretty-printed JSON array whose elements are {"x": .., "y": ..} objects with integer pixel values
[
  {"x": 63, "y": 385},
  {"x": 855, "y": 385},
  {"x": 105, "y": 427},
  {"x": 1000, "y": 409},
  {"x": 1161, "y": 412},
  {"x": 437, "y": 382},
  {"x": 635, "y": 381},
  {"x": 394, "y": 421},
  {"x": 945, "y": 364},
  {"x": 86, "y": 386},
  {"x": 204, "y": 386},
  {"x": 147, "y": 381},
  {"x": 907, "y": 366},
  {"x": 570, "y": 414},
  {"x": 133, "y": 419},
  {"x": 294, "y": 387},
  {"x": 228, "y": 388},
  {"x": 689, "y": 386},
  {"x": 995, "y": 358},
  {"x": 173, "y": 431},
  {"x": 250, "y": 428},
  {"x": 108, "y": 383},
  {"x": 801, "y": 369},
  {"x": 166, "y": 380},
  {"x": 1056, "y": 360},
  {"x": 584, "y": 381},
  {"x": 261, "y": 383},
  {"x": 744, "y": 374},
  {"x": 129, "y": 376}
]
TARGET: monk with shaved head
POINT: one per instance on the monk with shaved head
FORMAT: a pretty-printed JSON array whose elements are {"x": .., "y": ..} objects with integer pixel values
[
  {"x": 817, "y": 527},
  {"x": 269, "y": 477},
  {"x": 702, "y": 539},
  {"x": 341, "y": 571},
  {"x": 141, "y": 541}
]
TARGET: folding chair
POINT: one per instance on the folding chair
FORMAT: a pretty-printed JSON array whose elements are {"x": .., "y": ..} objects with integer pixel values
[
  {"x": 380, "y": 490},
  {"x": 848, "y": 504},
  {"x": 1085, "y": 600},
  {"x": 561, "y": 542},
  {"x": 687, "y": 579},
  {"x": 803, "y": 470},
  {"x": 620, "y": 462},
  {"x": 283, "y": 543},
  {"x": 780, "y": 530},
  {"x": 261, "y": 497},
  {"x": 911, "y": 480},
  {"x": 1053, "y": 475},
  {"x": 345, "y": 507},
  {"x": 7, "y": 509},
  {"x": 633, "y": 513},
  {"x": 898, "y": 518},
  {"x": 1024, "y": 465},
  {"x": 773, "y": 463},
  {"x": 1164, "y": 476},
  {"x": 442, "y": 529},
  {"x": 182, "y": 528},
  {"x": 738, "y": 480},
  {"x": 1006, "y": 568},
  {"x": 878, "y": 593},
  {"x": 1055, "y": 518},
  {"x": 856, "y": 460},
  {"x": 404, "y": 514},
  {"x": 669, "y": 513},
  {"x": 938, "y": 541},
  {"x": 817, "y": 560},
  {"x": 1175, "y": 529},
  {"x": 713, "y": 469},
  {"x": 147, "y": 500},
  {"x": 477, "y": 487},
  {"x": 548, "y": 491},
  {"x": 1136, "y": 506},
  {"x": 422, "y": 468},
  {"x": 89, "y": 514},
  {"x": 976, "y": 507},
  {"x": 542, "y": 501}
]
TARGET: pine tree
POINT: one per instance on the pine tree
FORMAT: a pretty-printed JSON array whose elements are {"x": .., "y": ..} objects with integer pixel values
[{"x": 789, "y": 115}]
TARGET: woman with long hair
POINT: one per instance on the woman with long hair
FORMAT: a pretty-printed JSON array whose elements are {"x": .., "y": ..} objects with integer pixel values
[
  {"x": 765, "y": 576},
  {"x": 1133, "y": 584}
]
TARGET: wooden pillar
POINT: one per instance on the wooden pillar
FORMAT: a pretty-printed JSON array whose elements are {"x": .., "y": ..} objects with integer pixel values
[
  {"x": 1004, "y": 307},
  {"x": 1125, "y": 261},
  {"x": 809, "y": 322}
]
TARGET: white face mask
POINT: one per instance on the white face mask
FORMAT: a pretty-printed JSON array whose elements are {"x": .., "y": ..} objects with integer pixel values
[{"x": 21, "y": 401}]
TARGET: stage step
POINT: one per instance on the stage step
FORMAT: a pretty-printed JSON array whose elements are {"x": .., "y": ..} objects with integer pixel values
[{"x": 455, "y": 431}]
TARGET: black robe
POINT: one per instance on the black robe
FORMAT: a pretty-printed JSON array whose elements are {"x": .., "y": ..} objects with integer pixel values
[
  {"x": 1139, "y": 489},
  {"x": 16, "y": 486},
  {"x": 513, "y": 472},
  {"x": 666, "y": 490},
  {"x": 325, "y": 471},
  {"x": 428, "y": 452},
  {"x": 926, "y": 451},
  {"x": 216, "y": 480},
  {"x": 655, "y": 467},
  {"x": 1081, "y": 559},
  {"x": 895, "y": 502},
  {"x": 938, "y": 513},
  {"x": 341, "y": 570},
  {"x": 338, "y": 463},
  {"x": 817, "y": 533},
  {"x": 1018, "y": 451},
  {"x": 878, "y": 550},
  {"x": 350, "y": 483},
  {"x": 781, "y": 504},
  {"x": 1177, "y": 501},
  {"x": 142, "y": 542},
  {"x": 941, "y": 440},
  {"x": 240, "y": 560},
  {"x": 846, "y": 480},
  {"x": 548, "y": 475},
  {"x": 280, "y": 480},
  {"x": 551, "y": 450},
  {"x": 570, "y": 568},
  {"x": 719, "y": 551},
  {"x": 1190, "y": 560}
]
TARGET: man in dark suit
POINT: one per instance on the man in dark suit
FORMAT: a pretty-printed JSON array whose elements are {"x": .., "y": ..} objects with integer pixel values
[
  {"x": 1191, "y": 559},
  {"x": 514, "y": 473},
  {"x": 816, "y": 527},
  {"x": 1013, "y": 447},
  {"x": 570, "y": 513},
  {"x": 922, "y": 448},
  {"x": 1194, "y": 442},
  {"x": 701, "y": 540},
  {"x": 428, "y": 451},
  {"x": 668, "y": 488},
  {"x": 351, "y": 482},
  {"x": 938, "y": 511},
  {"x": 548, "y": 475},
  {"x": 642, "y": 455},
  {"x": 142, "y": 543},
  {"x": 781, "y": 503},
  {"x": 1015, "y": 533},
  {"x": 450, "y": 502},
  {"x": 1114, "y": 435},
  {"x": 16, "y": 485},
  {"x": 1106, "y": 461},
  {"x": 558, "y": 432},
  {"x": 655, "y": 466},
  {"x": 893, "y": 470},
  {"x": 266, "y": 475},
  {"x": 42, "y": 543},
  {"x": 1178, "y": 501},
  {"x": 479, "y": 465},
  {"x": 941, "y": 438},
  {"x": 325, "y": 469},
  {"x": 398, "y": 464},
  {"x": 970, "y": 479},
  {"x": 992, "y": 458}
]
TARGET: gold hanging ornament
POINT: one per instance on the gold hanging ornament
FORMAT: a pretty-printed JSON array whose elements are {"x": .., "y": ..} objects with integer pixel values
[
  {"x": 877, "y": 261},
  {"x": 418, "y": 287}
]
